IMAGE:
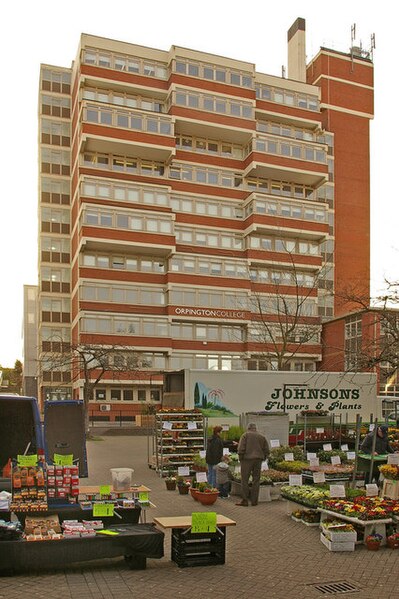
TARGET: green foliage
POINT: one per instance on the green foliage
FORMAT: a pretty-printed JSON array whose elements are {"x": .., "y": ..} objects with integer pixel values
[
  {"x": 277, "y": 454},
  {"x": 325, "y": 456},
  {"x": 295, "y": 467}
]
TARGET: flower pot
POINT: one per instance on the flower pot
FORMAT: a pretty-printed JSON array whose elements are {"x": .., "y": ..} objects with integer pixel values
[
  {"x": 207, "y": 498},
  {"x": 183, "y": 489},
  {"x": 170, "y": 485},
  {"x": 193, "y": 493},
  {"x": 373, "y": 545},
  {"x": 392, "y": 543}
]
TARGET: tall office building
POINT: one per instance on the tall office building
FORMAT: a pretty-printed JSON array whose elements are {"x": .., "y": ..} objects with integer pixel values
[{"x": 190, "y": 205}]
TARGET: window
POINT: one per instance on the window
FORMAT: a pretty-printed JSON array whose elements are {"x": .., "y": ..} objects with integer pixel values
[{"x": 141, "y": 394}]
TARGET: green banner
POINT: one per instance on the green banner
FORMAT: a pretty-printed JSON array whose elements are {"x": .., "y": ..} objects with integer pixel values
[
  {"x": 63, "y": 460},
  {"x": 26, "y": 461},
  {"x": 203, "y": 522},
  {"x": 101, "y": 510}
]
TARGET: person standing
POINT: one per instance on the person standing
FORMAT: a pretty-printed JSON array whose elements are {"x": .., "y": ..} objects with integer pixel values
[
  {"x": 223, "y": 477},
  {"x": 253, "y": 449},
  {"x": 214, "y": 453}
]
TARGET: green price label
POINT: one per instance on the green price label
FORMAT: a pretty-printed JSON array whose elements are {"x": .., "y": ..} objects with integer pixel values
[
  {"x": 203, "y": 522},
  {"x": 101, "y": 510},
  {"x": 110, "y": 533},
  {"x": 105, "y": 490},
  {"x": 27, "y": 460},
  {"x": 144, "y": 497},
  {"x": 63, "y": 460}
]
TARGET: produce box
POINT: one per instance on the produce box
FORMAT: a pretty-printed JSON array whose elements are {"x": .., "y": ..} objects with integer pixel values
[{"x": 334, "y": 546}]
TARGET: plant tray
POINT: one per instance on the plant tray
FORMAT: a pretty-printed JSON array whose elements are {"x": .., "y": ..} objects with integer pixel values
[
  {"x": 310, "y": 523},
  {"x": 340, "y": 537},
  {"x": 296, "y": 519},
  {"x": 333, "y": 546}
]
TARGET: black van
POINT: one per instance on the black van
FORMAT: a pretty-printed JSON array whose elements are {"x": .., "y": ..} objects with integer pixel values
[{"x": 22, "y": 432}]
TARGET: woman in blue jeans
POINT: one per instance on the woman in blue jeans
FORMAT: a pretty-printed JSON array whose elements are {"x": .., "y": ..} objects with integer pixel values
[{"x": 214, "y": 453}]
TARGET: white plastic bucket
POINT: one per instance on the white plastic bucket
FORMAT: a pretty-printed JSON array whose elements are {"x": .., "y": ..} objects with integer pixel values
[{"x": 121, "y": 478}]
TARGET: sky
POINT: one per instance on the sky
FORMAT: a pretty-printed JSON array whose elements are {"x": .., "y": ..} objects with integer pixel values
[{"x": 46, "y": 32}]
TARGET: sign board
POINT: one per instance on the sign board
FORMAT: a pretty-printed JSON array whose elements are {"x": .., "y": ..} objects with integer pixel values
[
  {"x": 191, "y": 425},
  {"x": 314, "y": 462},
  {"x": 310, "y": 455},
  {"x": 264, "y": 465},
  {"x": 63, "y": 460},
  {"x": 183, "y": 471},
  {"x": 319, "y": 477},
  {"x": 167, "y": 426},
  {"x": 327, "y": 446},
  {"x": 203, "y": 522},
  {"x": 26, "y": 461},
  {"x": 202, "y": 453},
  {"x": 351, "y": 455},
  {"x": 101, "y": 510},
  {"x": 274, "y": 443},
  {"x": 337, "y": 491},
  {"x": 320, "y": 430},
  {"x": 344, "y": 447},
  {"x": 393, "y": 458},
  {"x": 201, "y": 477},
  {"x": 226, "y": 451},
  {"x": 335, "y": 460},
  {"x": 294, "y": 480},
  {"x": 289, "y": 457},
  {"x": 371, "y": 490},
  {"x": 279, "y": 392}
]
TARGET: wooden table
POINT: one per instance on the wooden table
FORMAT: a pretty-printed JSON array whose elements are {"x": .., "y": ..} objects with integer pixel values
[
  {"x": 370, "y": 526},
  {"x": 196, "y": 549},
  {"x": 93, "y": 490}
]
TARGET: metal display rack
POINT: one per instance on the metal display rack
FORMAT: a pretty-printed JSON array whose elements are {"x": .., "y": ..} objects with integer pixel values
[{"x": 178, "y": 437}]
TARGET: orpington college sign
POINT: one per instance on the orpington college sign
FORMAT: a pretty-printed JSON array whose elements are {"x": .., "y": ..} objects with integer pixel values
[{"x": 209, "y": 313}]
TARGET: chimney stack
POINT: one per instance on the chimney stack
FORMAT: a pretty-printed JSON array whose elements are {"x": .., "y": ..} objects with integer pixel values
[{"x": 297, "y": 51}]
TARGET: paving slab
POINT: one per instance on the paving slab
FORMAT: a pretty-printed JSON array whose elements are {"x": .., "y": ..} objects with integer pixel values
[{"x": 268, "y": 554}]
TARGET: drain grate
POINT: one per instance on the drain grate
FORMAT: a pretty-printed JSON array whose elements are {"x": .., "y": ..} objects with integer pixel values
[{"x": 333, "y": 588}]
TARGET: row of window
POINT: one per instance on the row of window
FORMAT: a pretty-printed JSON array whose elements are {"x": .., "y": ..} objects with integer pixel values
[
  {"x": 284, "y": 305},
  {"x": 212, "y": 72},
  {"x": 120, "y": 220},
  {"x": 213, "y": 239},
  {"x": 305, "y": 334},
  {"x": 124, "y": 325},
  {"x": 54, "y": 191},
  {"x": 101, "y": 189},
  {"x": 138, "y": 264},
  {"x": 209, "y": 146},
  {"x": 271, "y": 145},
  {"x": 209, "y": 267},
  {"x": 219, "y": 104},
  {"x": 123, "y": 295},
  {"x": 282, "y": 277},
  {"x": 123, "y": 394},
  {"x": 125, "y": 164},
  {"x": 128, "y": 120},
  {"x": 121, "y": 62},
  {"x": 122, "y": 99},
  {"x": 56, "y": 81},
  {"x": 202, "y": 175},
  {"x": 291, "y": 210},
  {"x": 56, "y": 133},
  {"x": 291, "y": 246},
  {"x": 58, "y": 106},
  {"x": 287, "y": 97},
  {"x": 284, "y": 130}
]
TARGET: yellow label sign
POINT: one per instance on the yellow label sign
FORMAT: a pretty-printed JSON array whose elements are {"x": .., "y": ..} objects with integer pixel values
[
  {"x": 63, "y": 460},
  {"x": 111, "y": 533},
  {"x": 101, "y": 510},
  {"x": 203, "y": 522},
  {"x": 144, "y": 497},
  {"x": 105, "y": 490},
  {"x": 26, "y": 461}
]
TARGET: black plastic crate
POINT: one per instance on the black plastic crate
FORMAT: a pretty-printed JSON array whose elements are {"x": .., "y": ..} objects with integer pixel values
[{"x": 198, "y": 549}]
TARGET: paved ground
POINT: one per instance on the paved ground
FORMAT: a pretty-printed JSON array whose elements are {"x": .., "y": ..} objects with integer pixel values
[{"x": 268, "y": 554}]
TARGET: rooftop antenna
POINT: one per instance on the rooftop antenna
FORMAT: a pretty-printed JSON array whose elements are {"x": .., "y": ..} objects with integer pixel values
[
  {"x": 372, "y": 45},
  {"x": 353, "y": 37}
]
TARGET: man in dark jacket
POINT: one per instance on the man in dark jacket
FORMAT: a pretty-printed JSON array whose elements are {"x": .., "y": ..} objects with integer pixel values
[
  {"x": 214, "y": 453},
  {"x": 252, "y": 450},
  {"x": 381, "y": 447},
  {"x": 381, "y": 441}
]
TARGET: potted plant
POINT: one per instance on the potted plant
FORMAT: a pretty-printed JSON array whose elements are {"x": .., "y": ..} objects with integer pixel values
[
  {"x": 373, "y": 541},
  {"x": 393, "y": 540},
  {"x": 183, "y": 485},
  {"x": 170, "y": 482},
  {"x": 206, "y": 494}
]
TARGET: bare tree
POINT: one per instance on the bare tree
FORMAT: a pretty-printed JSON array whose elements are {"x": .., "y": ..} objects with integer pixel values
[
  {"x": 92, "y": 363},
  {"x": 284, "y": 319},
  {"x": 377, "y": 339}
]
